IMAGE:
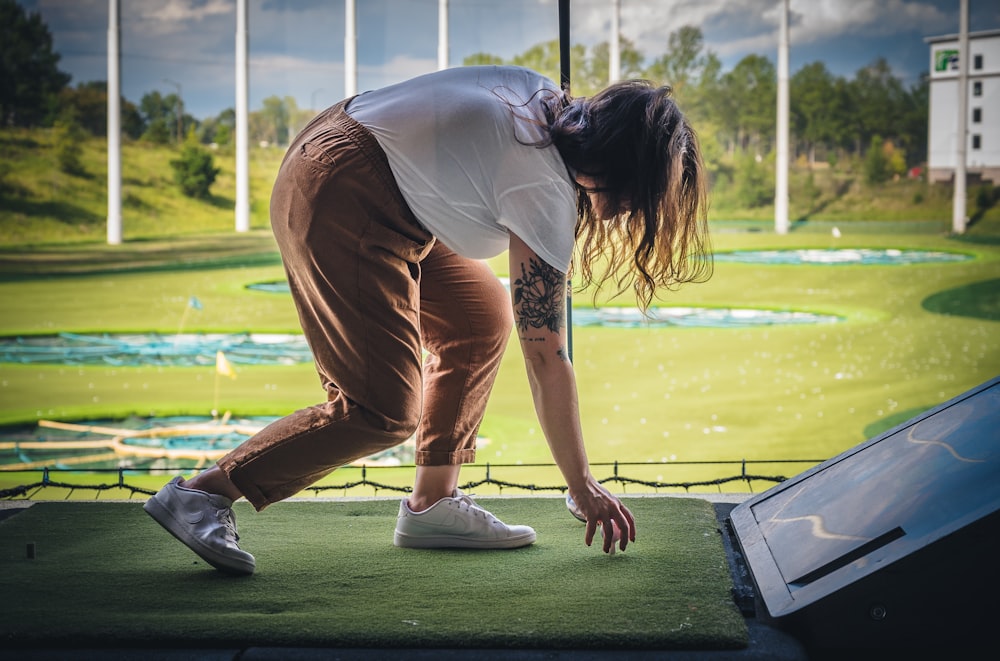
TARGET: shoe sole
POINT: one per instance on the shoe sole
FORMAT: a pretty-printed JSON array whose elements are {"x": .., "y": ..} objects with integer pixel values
[
  {"x": 403, "y": 540},
  {"x": 165, "y": 518}
]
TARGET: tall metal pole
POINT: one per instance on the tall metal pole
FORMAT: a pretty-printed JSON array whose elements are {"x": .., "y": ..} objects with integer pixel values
[
  {"x": 242, "y": 120},
  {"x": 564, "y": 54},
  {"x": 781, "y": 162},
  {"x": 962, "y": 137},
  {"x": 443, "y": 46},
  {"x": 114, "y": 127},
  {"x": 350, "y": 49},
  {"x": 564, "y": 45},
  {"x": 615, "y": 50}
]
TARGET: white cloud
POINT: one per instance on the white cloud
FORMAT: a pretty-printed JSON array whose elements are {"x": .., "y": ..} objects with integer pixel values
[
  {"x": 285, "y": 64},
  {"x": 176, "y": 16},
  {"x": 186, "y": 11},
  {"x": 741, "y": 26},
  {"x": 646, "y": 25},
  {"x": 290, "y": 75},
  {"x": 321, "y": 83},
  {"x": 398, "y": 69},
  {"x": 818, "y": 20}
]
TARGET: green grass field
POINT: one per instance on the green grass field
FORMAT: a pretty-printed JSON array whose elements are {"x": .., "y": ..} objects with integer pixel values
[
  {"x": 912, "y": 336},
  {"x": 647, "y": 395}
]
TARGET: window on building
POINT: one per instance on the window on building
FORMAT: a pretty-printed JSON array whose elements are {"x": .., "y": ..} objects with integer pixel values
[
  {"x": 977, "y": 88},
  {"x": 977, "y": 115},
  {"x": 977, "y": 62},
  {"x": 977, "y": 141}
]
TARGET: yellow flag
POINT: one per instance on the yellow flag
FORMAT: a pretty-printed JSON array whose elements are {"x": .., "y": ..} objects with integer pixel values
[{"x": 223, "y": 366}]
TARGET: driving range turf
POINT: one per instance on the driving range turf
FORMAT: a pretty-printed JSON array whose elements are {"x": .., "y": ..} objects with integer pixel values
[{"x": 656, "y": 396}]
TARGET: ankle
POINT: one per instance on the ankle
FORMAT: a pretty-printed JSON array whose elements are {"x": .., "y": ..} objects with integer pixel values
[
  {"x": 214, "y": 482},
  {"x": 420, "y": 502}
]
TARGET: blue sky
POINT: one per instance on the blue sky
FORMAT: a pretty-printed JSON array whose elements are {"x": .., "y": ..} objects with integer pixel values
[{"x": 297, "y": 46}]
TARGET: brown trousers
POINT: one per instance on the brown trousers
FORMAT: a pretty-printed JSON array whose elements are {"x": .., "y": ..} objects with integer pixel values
[{"x": 373, "y": 290}]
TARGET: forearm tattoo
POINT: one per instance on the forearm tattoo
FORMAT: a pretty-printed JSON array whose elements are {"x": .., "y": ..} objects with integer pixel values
[{"x": 539, "y": 297}]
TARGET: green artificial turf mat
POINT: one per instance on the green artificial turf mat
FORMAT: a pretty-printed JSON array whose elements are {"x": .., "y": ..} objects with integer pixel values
[{"x": 328, "y": 575}]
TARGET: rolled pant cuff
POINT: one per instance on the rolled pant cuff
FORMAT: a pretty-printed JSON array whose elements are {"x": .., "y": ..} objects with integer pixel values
[
  {"x": 423, "y": 458},
  {"x": 249, "y": 490}
]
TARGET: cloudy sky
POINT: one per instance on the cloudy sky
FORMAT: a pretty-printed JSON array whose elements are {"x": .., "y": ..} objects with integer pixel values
[{"x": 297, "y": 46}]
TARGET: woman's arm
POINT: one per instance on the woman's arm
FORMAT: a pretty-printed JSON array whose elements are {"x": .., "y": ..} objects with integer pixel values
[{"x": 538, "y": 292}]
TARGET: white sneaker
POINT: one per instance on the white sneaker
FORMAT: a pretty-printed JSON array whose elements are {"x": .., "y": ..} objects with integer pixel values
[
  {"x": 457, "y": 522},
  {"x": 204, "y": 522}
]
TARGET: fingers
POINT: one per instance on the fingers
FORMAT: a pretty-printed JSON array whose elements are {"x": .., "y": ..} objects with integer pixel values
[
  {"x": 630, "y": 527},
  {"x": 603, "y": 510},
  {"x": 613, "y": 530},
  {"x": 610, "y": 534}
]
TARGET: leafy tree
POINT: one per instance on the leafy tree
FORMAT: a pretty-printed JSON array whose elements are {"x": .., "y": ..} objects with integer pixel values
[
  {"x": 165, "y": 112},
  {"x": 748, "y": 94},
  {"x": 207, "y": 131},
  {"x": 29, "y": 75},
  {"x": 223, "y": 134},
  {"x": 877, "y": 101},
  {"x": 132, "y": 123},
  {"x": 816, "y": 107},
  {"x": 89, "y": 104},
  {"x": 481, "y": 58},
  {"x": 194, "y": 170},
  {"x": 876, "y": 164},
  {"x": 544, "y": 58},
  {"x": 594, "y": 73},
  {"x": 701, "y": 99},
  {"x": 219, "y": 129},
  {"x": 895, "y": 158},
  {"x": 694, "y": 75},
  {"x": 68, "y": 140},
  {"x": 912, "y": 124},
  {"x": 227, "y": 117},
  {"x": 712, "y": 152},
  {"x": 273, "y": 123},
  {"x": 845, "y": 125},
  {"x": 158, "y": 132},
  {"x": 679, "y": 66},
  {"x": 154, "y": 106},
  {"x": 755, "y": 177}
]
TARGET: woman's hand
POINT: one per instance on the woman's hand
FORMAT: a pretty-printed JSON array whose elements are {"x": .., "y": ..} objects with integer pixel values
[{"x": 600, "y": 508}]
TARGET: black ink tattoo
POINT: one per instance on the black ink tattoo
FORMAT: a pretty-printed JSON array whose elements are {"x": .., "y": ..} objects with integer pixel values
[{"x": 538, "y": 293}]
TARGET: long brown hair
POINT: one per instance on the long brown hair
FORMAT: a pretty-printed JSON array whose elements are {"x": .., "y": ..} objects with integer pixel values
[{"x": 632, "y": 138}]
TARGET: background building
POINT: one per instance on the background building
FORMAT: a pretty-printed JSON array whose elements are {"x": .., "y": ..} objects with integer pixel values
[{"x": 983, "y": 147}]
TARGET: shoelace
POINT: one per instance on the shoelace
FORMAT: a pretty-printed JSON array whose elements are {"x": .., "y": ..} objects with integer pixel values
[
  {"x": 469, "y": 504},
  {"x": 227, "y": 518}
]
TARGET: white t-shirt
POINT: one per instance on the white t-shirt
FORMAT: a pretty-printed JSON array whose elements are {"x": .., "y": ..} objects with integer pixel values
[{"x": 468, "y": 178}]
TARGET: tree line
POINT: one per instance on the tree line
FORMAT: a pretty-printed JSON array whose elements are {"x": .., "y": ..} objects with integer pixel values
[
  {"x": 871, "y": 116},
  {"x": 735, "y": 111}
]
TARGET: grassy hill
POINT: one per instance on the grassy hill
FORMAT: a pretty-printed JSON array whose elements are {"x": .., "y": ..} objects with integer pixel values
[{"x": 39, "y": 204}]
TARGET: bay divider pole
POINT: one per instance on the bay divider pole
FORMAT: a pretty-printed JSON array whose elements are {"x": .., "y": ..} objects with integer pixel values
[{"x": 564, "y": 54}]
